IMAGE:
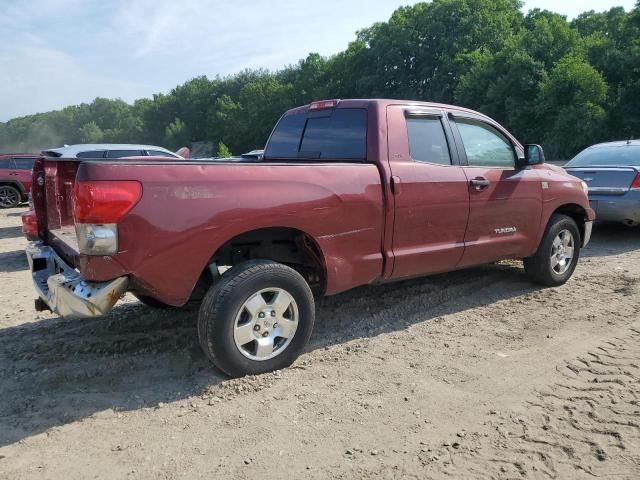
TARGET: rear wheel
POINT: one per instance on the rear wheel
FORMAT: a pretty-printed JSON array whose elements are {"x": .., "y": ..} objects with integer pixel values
[
  {"x": 257, "y": 318},
  {"x": 9, "y": 196},
  {"x": 558, "y": 253}
]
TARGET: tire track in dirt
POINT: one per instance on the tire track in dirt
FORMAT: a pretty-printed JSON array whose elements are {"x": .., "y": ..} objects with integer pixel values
[{"x": 586, "y": 423}]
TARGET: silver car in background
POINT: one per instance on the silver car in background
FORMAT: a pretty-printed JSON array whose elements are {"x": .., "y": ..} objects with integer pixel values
[
  {"x": 612, "y": 172},
  {"x": 109, "y": 150}
]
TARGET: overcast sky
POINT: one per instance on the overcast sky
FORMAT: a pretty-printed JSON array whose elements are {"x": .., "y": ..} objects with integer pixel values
[{"x": 55, "y": 53}]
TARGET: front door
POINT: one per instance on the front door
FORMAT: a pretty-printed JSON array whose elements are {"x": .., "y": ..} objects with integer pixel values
[
  {"x": 505, "y": 201},
  {"x": 431, "y": 195}
]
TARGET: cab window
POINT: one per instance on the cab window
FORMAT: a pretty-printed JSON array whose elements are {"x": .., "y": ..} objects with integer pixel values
[
  {"x": 484, "y": 145},
  {"x": 427, "y": 141}
]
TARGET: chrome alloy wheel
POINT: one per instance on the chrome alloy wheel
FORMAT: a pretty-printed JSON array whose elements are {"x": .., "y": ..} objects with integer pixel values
[
  {"x": 562, "y": 251},
  {"x": 266, "y": 324},
  {"x": 9, "y": 197}
]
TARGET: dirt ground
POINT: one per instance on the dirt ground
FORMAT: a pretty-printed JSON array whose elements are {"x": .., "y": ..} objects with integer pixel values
[{"x": 475, "y": 374}]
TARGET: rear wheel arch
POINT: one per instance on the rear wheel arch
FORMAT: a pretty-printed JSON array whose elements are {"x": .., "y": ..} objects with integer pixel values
[{"x": 288, "y": 246}]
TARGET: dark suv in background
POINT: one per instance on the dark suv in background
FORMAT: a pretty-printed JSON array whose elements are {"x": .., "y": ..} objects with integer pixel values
[{"x": 15, "y": 178}]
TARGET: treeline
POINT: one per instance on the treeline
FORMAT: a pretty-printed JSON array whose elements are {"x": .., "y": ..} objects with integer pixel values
[{"x": 563, "y": 84}]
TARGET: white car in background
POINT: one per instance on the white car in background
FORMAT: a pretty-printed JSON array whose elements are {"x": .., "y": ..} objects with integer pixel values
[{"x": 109, "y": 150}]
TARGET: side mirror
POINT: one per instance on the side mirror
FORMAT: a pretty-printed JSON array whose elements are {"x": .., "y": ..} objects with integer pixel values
[{"x": 533, "y": 155}]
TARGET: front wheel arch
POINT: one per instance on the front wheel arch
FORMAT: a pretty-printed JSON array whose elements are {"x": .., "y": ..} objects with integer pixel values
[{"x": 576, "y": 212}]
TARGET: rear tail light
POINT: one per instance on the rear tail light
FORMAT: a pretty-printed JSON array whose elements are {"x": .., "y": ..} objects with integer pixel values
[
  {"x": 97, "y": 208},
  {"x": 635, "y": 185},
  {"x": 322, "y": 104},
  {"x": 30, "y": 225},
  {"x": 104, "y": 202}
]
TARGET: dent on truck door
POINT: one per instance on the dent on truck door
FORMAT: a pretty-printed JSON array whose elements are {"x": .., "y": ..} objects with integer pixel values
[
  {"x": 505, "y": 202},
  {"x": 431, "y": 198}
]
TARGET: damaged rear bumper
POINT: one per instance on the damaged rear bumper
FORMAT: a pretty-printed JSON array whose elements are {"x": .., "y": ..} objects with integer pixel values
[{"x": 63, "y": 290}]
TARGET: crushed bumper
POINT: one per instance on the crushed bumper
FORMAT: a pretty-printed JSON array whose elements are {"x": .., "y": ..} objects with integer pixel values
[{"x": 63, "y": 290}]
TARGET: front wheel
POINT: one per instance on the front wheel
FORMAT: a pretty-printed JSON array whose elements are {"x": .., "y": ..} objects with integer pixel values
[
  {"x": 558, "y": 253},
  {"x": 257, "y": 318}
]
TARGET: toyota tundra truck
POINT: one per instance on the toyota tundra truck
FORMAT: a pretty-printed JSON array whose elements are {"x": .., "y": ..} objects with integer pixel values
[{"x": 346, "y": 193}]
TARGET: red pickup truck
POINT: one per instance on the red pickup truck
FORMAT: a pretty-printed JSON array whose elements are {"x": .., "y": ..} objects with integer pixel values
[{"x": 347, "y": 193}]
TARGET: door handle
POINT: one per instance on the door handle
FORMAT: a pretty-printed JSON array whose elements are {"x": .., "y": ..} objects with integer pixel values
[{"x": 480, "y": 183}]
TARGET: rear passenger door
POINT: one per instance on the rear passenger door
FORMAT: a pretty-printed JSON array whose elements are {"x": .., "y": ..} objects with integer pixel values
[
  {"x": 430, "y": 192},
  {"x": 505, "y": 201}
]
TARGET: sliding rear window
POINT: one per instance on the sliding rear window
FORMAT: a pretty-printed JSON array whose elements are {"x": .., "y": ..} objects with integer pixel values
[{"x": 332, "y": 134}]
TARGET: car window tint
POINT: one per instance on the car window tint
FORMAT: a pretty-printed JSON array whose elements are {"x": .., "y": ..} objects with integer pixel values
[
  {"x": 123, "y": 153},
  {"x": 91, "y": 154},
  {"x": 485, "y": 146},
  {"x": 24, "y": 163},
  {"x": 427, "y": 141},
  {"x": 324, "y": 134},
  {"x": 160, "y": 153},
  {"x": 610, "y": 155},
  {"x": 5, "y": 163}
]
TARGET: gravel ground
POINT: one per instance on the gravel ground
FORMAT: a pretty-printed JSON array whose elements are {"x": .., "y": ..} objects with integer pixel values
[{"x": 474, "y": 374}]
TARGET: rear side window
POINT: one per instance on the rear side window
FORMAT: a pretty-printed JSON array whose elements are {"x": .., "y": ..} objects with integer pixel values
[
  {"x": 124, "y": 153},
  {"x": 484, "y": 145},
  {"x": 326, "y": 134},
  {"x": 159, "y": 153},
  {"x": 24, "y": 163},
  {"x": 5, "y": 163},
  {"x": 91, "y": 154},
  {"x": 427, "y": 141}
]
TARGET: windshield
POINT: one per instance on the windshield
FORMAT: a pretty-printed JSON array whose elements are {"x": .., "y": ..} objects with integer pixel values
[
  {"x": 623, "y": 155},
  {"x": 325, "y": 134}
]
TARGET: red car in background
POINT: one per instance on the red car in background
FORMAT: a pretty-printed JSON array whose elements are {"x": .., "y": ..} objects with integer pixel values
[{"x": 15, "y": 178}]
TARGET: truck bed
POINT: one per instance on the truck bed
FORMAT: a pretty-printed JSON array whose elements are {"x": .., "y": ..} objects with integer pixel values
[{"x": 190, "y": 208}]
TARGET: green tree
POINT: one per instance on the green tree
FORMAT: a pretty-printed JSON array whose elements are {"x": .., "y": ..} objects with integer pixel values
[
  {"x": 90, "y": 132},
  {"x": 176, "y": 134},
  {"x": 572, "y": 101},
  {"x": 505, "y": 86},
  {"x": 223, "y": 151}
]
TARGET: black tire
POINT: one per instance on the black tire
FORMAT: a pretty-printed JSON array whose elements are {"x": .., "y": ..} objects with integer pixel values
[
  {"x": 152, "y": 302},
  {"x": 9, "y": 196},
  {"x": 223, "y": 302},
  {"x": 539, "y": 266}
]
